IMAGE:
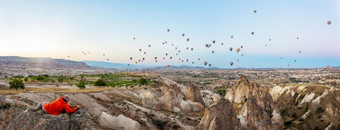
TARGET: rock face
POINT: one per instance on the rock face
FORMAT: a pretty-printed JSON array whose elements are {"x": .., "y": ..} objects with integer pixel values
[
  {"x": 172, "y": 98},
  {"x": 194, "y": 94},
  {"x": 121, "y": 122},
  {"x": 220, "y": 116},
  {"x": 258, "y": 110}
]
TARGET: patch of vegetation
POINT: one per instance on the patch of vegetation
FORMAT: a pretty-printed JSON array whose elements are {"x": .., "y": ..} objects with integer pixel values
[
  {"x": 16, "y": 84},
  {"x": 81, "y": 85},
  {"x": 221, "y": 92},
  {"x": 100, "y": 82},
  {"x": 142, "y": 81}
]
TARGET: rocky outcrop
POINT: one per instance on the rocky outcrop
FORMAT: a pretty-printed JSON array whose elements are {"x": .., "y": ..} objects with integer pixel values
[
  {"x": 171, "y": 98},
  {"x": 119, "y": 122},
  {"x": 194, "y": 94},
  {"x": 258, "y": 110},
  {"x": 220, "y": 116}
]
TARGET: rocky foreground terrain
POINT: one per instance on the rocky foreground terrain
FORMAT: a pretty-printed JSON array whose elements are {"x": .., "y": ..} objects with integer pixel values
[{"x": 169, "y": 105}]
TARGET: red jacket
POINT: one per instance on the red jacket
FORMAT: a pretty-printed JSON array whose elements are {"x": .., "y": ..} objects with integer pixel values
[{"x": 56, "y": 107}]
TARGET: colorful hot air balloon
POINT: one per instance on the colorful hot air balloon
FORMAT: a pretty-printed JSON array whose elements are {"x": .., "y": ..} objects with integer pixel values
[
  {"x": 205, "y": 62},
  {"x": 144, "y": 53},
  {"x": 255, "y": 11},
  {"x": 238, "y": 50},
  {"x": 329, "y": 22},
  {"x": 231, "y": 49},
  {"x": 192, "y": 49},
  {"x": 209, "y": 65},
  {"x": 207, "y": 45},
  {"x": 188, "y": 39},
  {"x": 168, "y": 66},
  {"x": 155, "y": 58},
  {"x": 231, "y": 63},
  {"x": 183, "y": 35}
]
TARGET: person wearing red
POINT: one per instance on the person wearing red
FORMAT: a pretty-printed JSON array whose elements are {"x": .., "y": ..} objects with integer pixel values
[{"x": 56, "y": 107}]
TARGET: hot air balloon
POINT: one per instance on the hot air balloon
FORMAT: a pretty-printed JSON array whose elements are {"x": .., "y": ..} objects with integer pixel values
[
  {"x": 299, "y": 51},
  {"x": 205, "y": 62},
  {"x": 179, "y": 58},
  {"x": 231, "y": 63},
  {"x": 183, "y": 35},
  {"x": 206, "y": 45},
  {"x": 144, "y": 53},
  {"x": 255, "y": 11},
  {"x": 213, "y": 41},
  {"x": 265, "y": 44},
  {"x": 149, "y": 45},
  {"x": 168, "y": 30},
  {"x": 252, "y": 33},
  {"x": 270, "y": 39},
  {"x": 103, "y": 54},
  {"x": 231, "y": 49},
  {"x": 179, "y": 51},
  {"x": 182, "y": 60},
  {"x": 238, "y": 50},
  {"x": 166, "y": 54},
  {"x": 107, "y": 59},
  {"x": 130, "y": 58},
  {"x": 187, "y": 60},
  {"x": 329, "y": 22},
  {"x": 168, "y": 66},
  {"x": 166, "y": 42},
  {"x": 187, "y": 48},
  {"x": 209, "y": 65},
  {"x": 193, "y": 62},
  {"x": 172, "y": 44},
  {"x": 170, "y": 57},
  {"x": 68, "y": 56},
  {"x": 163, "y": 58},
  {"x": 176, "y": 48},
  {"x": 128, "y": 64},
  {"x": 134, "y": 38},
  {"x": 238, "y": 60},
  {"x": 241, "y": 46},
  {"x": 241, "y": 54},
  {"x": 188, "y": 39},
  {"x": 231, "y": 36},
  {"x": 297, "y": 38},
  {"x": 294, "y": 60},
  {"x": 221, "y": 44},
  {"x": 155, "y": 58},
  {"x": 163, "y": 43},
  {"x": 281, "y": 57},
  {"x": 212, "y": 51},
  {"x": 136, "y": 62},
  {"x": 199, "y": 59},
  {"x": 176, "y": 54},
  {"x": 192, "y": 49},
  {"x": 140, "y": 49},
  {"x": 288, "y": 64},
  {"x": 143, "y": 58}
]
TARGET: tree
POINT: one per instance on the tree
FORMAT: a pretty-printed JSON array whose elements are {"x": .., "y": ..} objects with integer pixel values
[
  {"x": 100, "y": 82},
  {"x": 142, "y": 81},
  {"x": 16, "y": 84},
  {"x": 81, "y": 85}
]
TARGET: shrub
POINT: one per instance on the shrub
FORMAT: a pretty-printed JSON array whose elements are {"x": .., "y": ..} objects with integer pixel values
[
  {"x": 26, "y": 79},
  {"x": 100, "y": 82},
  {"x": 5, "y": 105},
  {"x": 40, "y": 78},
  {"x": 81, "y": 85},
  {"x": 16, "y": 84},
  {"x": 142, "y": 81},
  {"x": 159, "y": 123}
]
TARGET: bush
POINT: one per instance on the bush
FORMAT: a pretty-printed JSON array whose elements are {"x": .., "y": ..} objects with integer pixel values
[
  {"x": 40, "y": 78},
  {"x": 81, "y": 85},
  {"x": 16, "y": 84},
  {"x": 142, "y": 81},
  {"x": 5, "y": 105},
  {"x": 159, "y": 123},
  {"x": 100, "y": 82},
  {"x": 26, "y": 79}
]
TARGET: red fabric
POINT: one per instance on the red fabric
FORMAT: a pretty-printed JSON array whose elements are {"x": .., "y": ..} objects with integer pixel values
[{"x": 56, "y": 107}]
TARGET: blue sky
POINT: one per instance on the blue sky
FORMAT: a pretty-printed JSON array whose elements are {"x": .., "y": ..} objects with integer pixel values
[{"x": 59, "y": 29}]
